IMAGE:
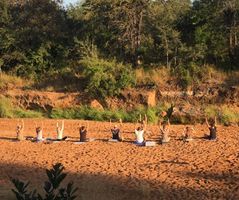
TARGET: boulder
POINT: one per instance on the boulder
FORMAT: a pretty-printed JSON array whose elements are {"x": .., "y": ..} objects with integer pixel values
[{"x": 95, "y": 104}]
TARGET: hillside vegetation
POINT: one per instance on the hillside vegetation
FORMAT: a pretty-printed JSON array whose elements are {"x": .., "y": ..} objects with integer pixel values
[{"x": 99, "y": 48}]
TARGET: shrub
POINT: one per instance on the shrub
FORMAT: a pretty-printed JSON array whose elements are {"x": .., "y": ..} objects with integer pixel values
[
  {"x": 211, "y": 111},
  {"x": 21, "y": 113},
  {"x": 88, "y": 113},
  {"x": 228, "y": 116},
  {"x": 9, "y": 81},
  {"x": 51, "y": 187},
  {"x": 188, "y": 74},
  {"x": 5, "y": 108},
  {"x": 105, "y": 78},
  {"x": 152, "y": 77},
  {"x": 224, "y": 114}
]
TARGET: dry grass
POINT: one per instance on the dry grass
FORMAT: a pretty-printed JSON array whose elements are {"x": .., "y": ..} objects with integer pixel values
[
  {"x": 161, "y": 75},
  {"x": 215, "y": 74},
  {"x": 225, "y": 114},
  {"x": 219, "y": 76},
  {"x": 156, "y": 76},
  {"x": 10, "y": 82}
]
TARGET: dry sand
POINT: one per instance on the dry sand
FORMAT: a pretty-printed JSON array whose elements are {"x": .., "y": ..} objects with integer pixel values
[{"x": 101, "y": 170}]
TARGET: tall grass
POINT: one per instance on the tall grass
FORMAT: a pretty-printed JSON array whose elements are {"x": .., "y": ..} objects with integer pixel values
[
  {"x": 10, "y": 81},
  {"x": 8, "y": 110},
  {"x": 224, "y": 114},
  {"x": 89, "y": 113},
  {"x": 156, "y": 76}
]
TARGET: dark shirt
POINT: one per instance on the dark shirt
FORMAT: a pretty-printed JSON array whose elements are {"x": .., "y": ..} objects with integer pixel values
[
  {"x": 115, "y": 133},
  {"x": 213, "y": 133},
  {"x": 83, "y": 134}
]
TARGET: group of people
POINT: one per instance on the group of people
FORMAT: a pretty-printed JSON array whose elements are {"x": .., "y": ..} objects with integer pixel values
[{"x": 116, "y": 131}]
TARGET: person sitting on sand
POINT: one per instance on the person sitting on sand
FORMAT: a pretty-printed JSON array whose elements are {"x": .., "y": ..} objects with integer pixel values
[
  {"x": 116, "y": 131},
  {"x": 83, "y": 133},
  {"x": 212, "y": 126},
  {"x": 188, "y": 134},
  {"x": 39, "y": 137},
  {"x": 139, "y": 131},
  {"x": 165, "y": 129},
  {"x": 19, "y": 131},
  {"x": 60, "y": 131}
]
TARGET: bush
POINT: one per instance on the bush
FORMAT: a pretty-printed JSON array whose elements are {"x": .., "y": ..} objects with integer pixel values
[
  {"x": 224, "y": 114},
  {"x": 105, "y": 78},
  {"x": 189, "y": 75},
  {"x": 228, "y": 116},
  {"x": 20, "y": 113},
  {"x": 5, "y": 108},
  {"x": 211, "y": 111},
  {"x": 88, "y": 113},
  {"x": 152, "y": 77},
  {"x": 8, "y": 81},
  {"x": 51, "y": 187}
]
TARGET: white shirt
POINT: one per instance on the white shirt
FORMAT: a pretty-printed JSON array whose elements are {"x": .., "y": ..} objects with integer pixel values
[
  {"x": 139, "y": 136},
  {"x": 59, "y": 134},
  {"x": 39, "y": 135}
]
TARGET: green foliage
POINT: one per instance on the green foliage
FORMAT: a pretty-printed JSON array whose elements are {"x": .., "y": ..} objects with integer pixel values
[
  {"x": 51, "y": 187},
  {"x": 224, "y": 114},
  {"x": 105, "y": 78},
  {"x": 182, "y": 119},
  {"x": 189, "y": 74},
  {"x": 211, "y": 111},
  {"x": 88, "y": 113},
  {"x": 228, "y": 116},
  {"x": 6, "y": 110},
  {"x": 21, "y": 113},
  {"x": 36, "y": 43}
]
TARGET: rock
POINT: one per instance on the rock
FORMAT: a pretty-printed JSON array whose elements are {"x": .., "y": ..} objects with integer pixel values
[
  {"x": 143, "y": 97},
  {"x": 95, "y": 104},
  {"x": 151, "y": 98},
  {"x": 186, "y": 114}
]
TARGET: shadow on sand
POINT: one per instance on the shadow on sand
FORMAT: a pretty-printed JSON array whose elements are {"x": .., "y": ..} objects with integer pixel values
[
  {"x": 96, "y": 186},
  {"x": 11, "y": 139}
]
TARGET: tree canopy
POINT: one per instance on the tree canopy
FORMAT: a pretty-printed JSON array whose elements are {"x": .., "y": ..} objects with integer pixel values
[{"x": 41, "y": 37}]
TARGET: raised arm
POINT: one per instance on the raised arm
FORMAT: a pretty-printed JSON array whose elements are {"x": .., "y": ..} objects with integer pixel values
[
  {"x": 207, "y": 122},
  {"x": 169, "y": 123},
  {"x": 62, "y": 125},
  {"x": 215, "y": 121},
  {"x": 159, "y": 123},
  {"x": 35, "y": 125},
  {"x": 87, "y": 126},
  {"x": 145, "y": 122},
  {"x": 121, "y": 123},
  {"x": 135, "y": 125},
  {"x": 22, "y": 124},
  {"x": 146, "y": 119},
  {"x": 194, "y": 129},
  {"x": 184, "y": 132}
]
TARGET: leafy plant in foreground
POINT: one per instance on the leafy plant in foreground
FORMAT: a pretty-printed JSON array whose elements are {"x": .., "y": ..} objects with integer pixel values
[{"x": 51, "y": 187}]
